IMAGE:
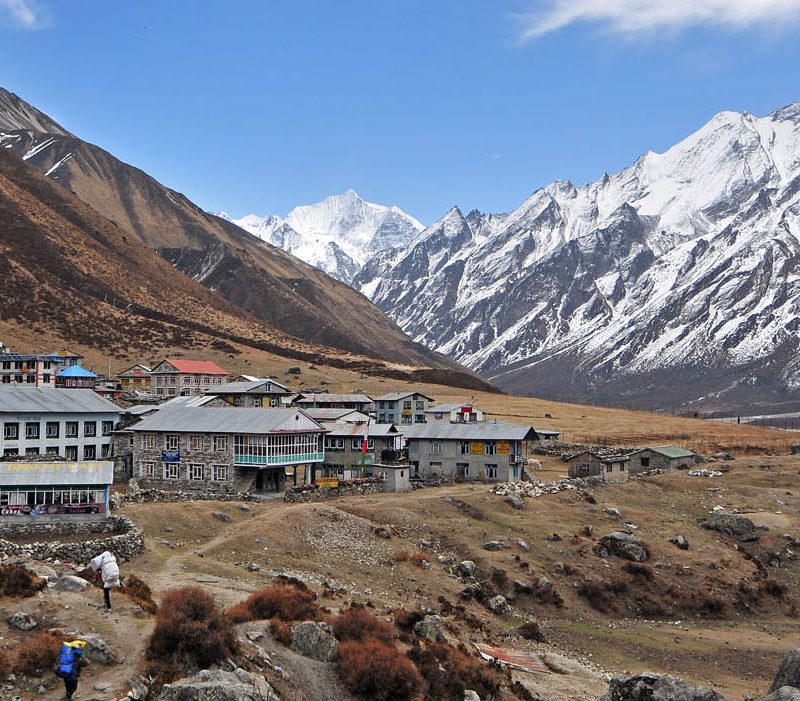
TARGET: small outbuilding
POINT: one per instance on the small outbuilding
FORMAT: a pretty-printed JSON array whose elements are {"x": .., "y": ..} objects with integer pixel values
[
  {"x": 611, "y": 468},
  {"x": 395, "y": 477},
  {"x": 662, "y": 457}
]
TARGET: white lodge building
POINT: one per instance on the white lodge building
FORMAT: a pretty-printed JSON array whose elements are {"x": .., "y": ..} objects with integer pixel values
[
  {"x": 75, "y": 424},
  {"x": 227, "y": 449}
]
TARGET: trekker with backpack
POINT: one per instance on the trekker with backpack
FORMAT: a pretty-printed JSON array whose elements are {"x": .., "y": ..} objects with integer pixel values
[
  {"x": 105, "y": 567},
  {"x": 71, "y": 660}
]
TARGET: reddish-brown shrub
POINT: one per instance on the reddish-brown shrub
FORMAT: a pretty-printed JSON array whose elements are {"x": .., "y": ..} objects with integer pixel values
[
  {"x": 286, "y": 603},
  {"x": 359, "y": 624},
  {"x": 5, "y": 659},
  {"x": 190, "y": 630},
  {"x": 402, "y": 556},
  {"x": 406, "y": 620},
  {"x": 419, "y": 557},
  {"x": 138, "y": 592},
  {"x": 281, "y": 631},
  {"x": 16, "y": 580},
  {"x": 38, "y": 652},
  {"x": 448, "y": 672},
  {"x": 377, "y": 672}
]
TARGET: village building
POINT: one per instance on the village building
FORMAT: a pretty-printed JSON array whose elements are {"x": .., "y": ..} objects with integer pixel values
[
  {"x": 325, "y": 400},
  {"x": 609, "y": 468},
  {"x": 33, "y": 369},
  {"x": 402, "y": 408},
  {"x": 75, "y": 424},
  {"x": 136, "y": 378},
  {"x": 454, "y": 413},
  {"x": 174, "y": 376},
  {"x": 227, "y": 449},
  {"x": 348, "y": 416},
  {"x": 662, "y": 457},
  {"x": 344, "y": 443},
  {"x": 256, "y": 393},
  {"x": 51, "y": 489},
  {"x": 76, "y": 377},
  {"x": 480, "y": 450}
]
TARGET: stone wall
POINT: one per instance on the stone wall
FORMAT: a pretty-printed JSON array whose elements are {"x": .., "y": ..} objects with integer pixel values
[
  {"x": 310, "y": 492},
  {"x": 139, "y": 495},
  {"x": 122, "y": 537}
]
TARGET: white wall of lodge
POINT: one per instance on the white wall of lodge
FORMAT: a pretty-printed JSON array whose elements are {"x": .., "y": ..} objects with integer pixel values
[{"x": 72, "y": 436}]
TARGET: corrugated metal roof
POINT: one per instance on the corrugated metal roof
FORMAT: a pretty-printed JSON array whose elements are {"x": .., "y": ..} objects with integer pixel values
[
  {"x": 195, "y": 367},
  {"x": 32, "y": 400},
  {"x": 75, "y": 371},
  {"x": 357, "y": 430},
  {"x": 42, "y": 472},
  {"x": 335, "y": 414},
  {"x": 186, "y": 401},
  {"x": 325, "y": 398},
  {"x": 476, "y": 431},
  {"x": 394, "y": 396},
  {"x": 669, "y": 451},
  {"x": 229, "y": 420},
  {"x": 253, "y": 387}
]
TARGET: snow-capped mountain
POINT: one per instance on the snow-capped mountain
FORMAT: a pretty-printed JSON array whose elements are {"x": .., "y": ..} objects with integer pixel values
[
  {"x": 673, "y": 280},
  {"x": 336, "y": 235}
]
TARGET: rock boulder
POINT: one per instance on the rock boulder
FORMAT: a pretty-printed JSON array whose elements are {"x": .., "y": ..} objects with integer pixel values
[
  {"x": 739, "y": 527},
  {"x": 657, "y": 687},
  {"x": 623, "y": 545},
  {"x": 315, "y": 639},
  {"x": 217, "y": 685}
]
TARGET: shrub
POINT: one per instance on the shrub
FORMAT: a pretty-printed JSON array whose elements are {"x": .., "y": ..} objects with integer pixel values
[
  {"x": 38, "y": 652},
  {"x": 281, "y": 631},
  {"x": 377, "y": 672},
  {"x": 16, "y": 580},
  {"x": 602, "y": 596},
  {"x": 358, "y": 624},
  {"x": 448, "y": 672},
  {"x": 406, "y": 620},
  {"x": 286, "y": 603},
  {"x": 5, "y": 660},
  {"x": 138, "y": 592},
  {"x": 639, "y": 570},
  {"x": 532, "y": 631},
  {"x": 190, "y": 630},
  {"x": 402, "y": 556},
  {"x": 419, "y": 557}
]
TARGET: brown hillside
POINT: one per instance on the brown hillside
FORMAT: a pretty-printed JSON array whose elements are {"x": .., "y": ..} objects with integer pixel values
[
  {"x": 71, "y": 276},
  {"x": 261, "y": 279}
]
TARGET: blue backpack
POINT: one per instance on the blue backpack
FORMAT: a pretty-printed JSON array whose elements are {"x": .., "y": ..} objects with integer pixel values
[{"x": 68, "y": 666}]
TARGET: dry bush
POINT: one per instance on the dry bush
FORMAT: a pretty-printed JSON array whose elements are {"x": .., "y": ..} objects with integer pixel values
[
  {"x": 359, "y": 624},
  {"x": 377, "y": 672},
  {"x": 286, "y": 603},
  {"x": 138, "y": 592},
  {"x": 402, "y": 556},
  {"x": 448, "y": 672},
  {"x": 419, "y": 557},
  {"x": 602, "y": 596},
  {"x": 281, "y": 631},
  {"x": 5, "y": 661},
  {"x": 16, "y": 580},
  {"x": 190, "y": 631},
  {"x": 406, "y": 620},
  {"x": 38, "y": 652},
  {"x": 638, "y": 570}
]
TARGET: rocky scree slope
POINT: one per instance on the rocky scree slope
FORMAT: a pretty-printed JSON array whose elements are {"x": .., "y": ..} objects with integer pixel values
[{"x": 678, "y": 273}]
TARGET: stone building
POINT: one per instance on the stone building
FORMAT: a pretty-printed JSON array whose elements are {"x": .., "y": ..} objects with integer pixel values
[
  {"x": 257, "y": 393},
  {"x": 175, "y": 376},
  {"x": 402, "y": 408},
  {"x": 610, "y": 468},
  {"x": 325, "y": 400},
  {"x": 663, "y": 457},
  {"x": 227, "y": 449},
  {"x": 33, "y": 369},
  {"x": 494, "y": 451},
  {"x": 75, "y": 424},
  {"x": 344, "y": 442},
  {"x": 136, "y": 378},
  {"x": 465, "y": 412}
]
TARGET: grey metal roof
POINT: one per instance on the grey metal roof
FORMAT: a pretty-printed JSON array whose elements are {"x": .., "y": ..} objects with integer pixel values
[
  {"x": 186, "y": 401},
  {"x": 669, "y": 451},
  {"x": 335, "y": 414},
  {"x": 325, "y": 398},
  {"x": 476, "y": 431},
  {"x": 141, "y": 409},
  {"x": 32, "y": 400},
  {"x": 547, "y": 432},
  {"x": 229, "y": 420},
  {"x": 254, "y": 387},
  {"x": 358, "y": 430},
  {"x": 395, "y": 396}
]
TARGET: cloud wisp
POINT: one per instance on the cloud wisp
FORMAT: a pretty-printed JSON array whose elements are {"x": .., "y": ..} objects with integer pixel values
[
  {"x": 632, "y": 18},
  {"x": 22, "y": 13}
]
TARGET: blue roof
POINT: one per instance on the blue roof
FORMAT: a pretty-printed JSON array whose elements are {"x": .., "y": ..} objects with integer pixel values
[{"x": 75, "y": 371}]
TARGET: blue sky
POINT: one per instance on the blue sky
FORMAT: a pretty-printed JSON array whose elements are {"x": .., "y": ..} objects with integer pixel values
[{"x": 256, "y": 106}]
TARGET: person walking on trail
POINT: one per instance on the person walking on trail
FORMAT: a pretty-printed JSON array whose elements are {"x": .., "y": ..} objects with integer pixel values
[
  {"x": 71, "y": 660},
  {"x": 105, "y": 567}
]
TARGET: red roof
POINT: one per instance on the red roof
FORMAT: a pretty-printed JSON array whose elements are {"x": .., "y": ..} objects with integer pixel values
[{"x": 197, "y": 367}]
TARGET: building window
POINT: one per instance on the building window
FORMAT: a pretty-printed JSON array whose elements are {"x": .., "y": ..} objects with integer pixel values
[
  {"x": 358, "y": 444},
  {"x": 172, "y": 470},
  {"x": 186, "y": 379},
  {"x": 515, "y": 472},
  {"x": 147, "y": 469},
  {"x": 220, "y": 443},
  {"x": 71, "y": 452},
  {"x": 462, "y": 469},
  {"x": 90, "y": 428},
  {"x": 491, "y": 472},
  {"x": 32, "y": 430},
  {"x": 71, "y": 429},
  {"x": 172, "y": 441},
  {"x": 10, "y": 451},
  {"x": 196, "y": 471},
  {"x": 645, "y": 462},
  {"x": 435, "y": 448},
  {"x": 149, "y": 441},
  {"x": 6, "y": 379},
  {"x": 130, "y": 442},
  {"x": 220, "y": 473},
  {"x": 490, "y": 447},
  {"x": 419, "y": 418},
  {"x": 609, "y": 467},
  {"x": 11, "y": 431},
  {"x": 333, "y": 443},
  {"x": 51, "y": 450},
  {"x": 407, "y": 405},
  {"x": 31, "y": 451},
  {"x": 420, "y": 405},
  {"x": 105, "y": 450},
  {"x": 108, "y": 427},
  {"x": 463, "y": 447},
  {"x": 206, "y": 380},
  {"x": 583, "y": 468},
  {"x": 196, "y": 442},
  {"x": 89, "y": 452},
  {"x": 51, "y": 429},
  {"x": 46, "y": 378}
]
